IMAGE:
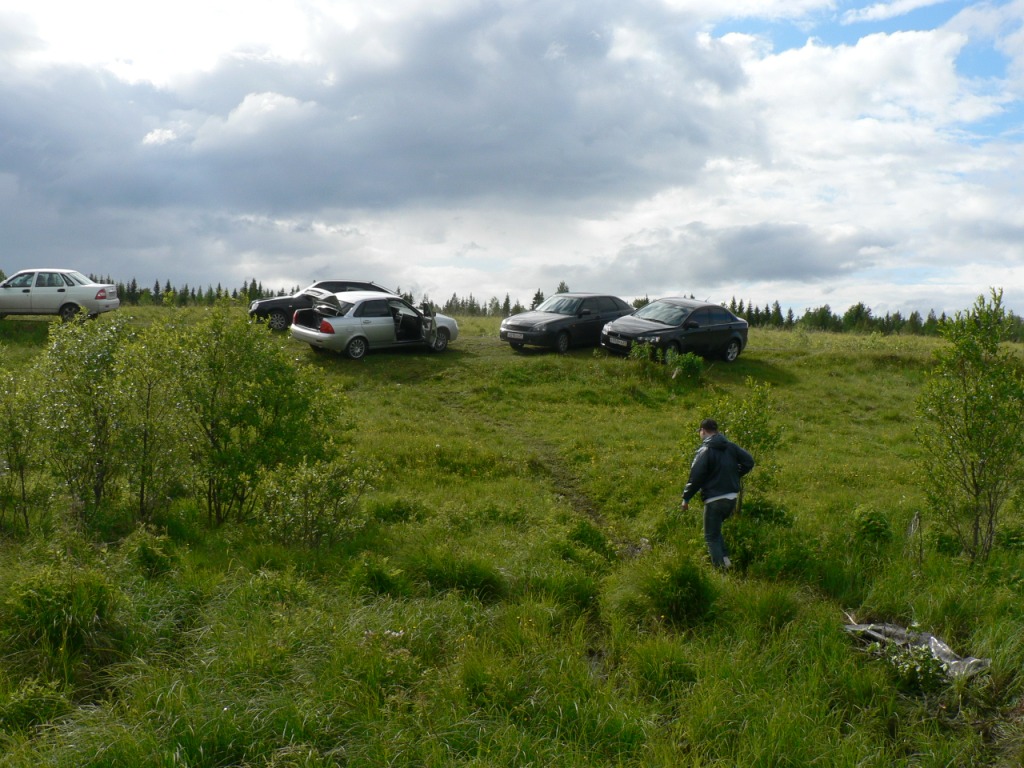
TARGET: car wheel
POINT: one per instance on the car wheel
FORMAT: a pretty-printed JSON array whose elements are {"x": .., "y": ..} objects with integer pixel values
[
  {"x": 277, "y": 320},
  {"x": 356, "y": 348},
  {"x": 562, "y": 343},
  {"x": 673, "y": 346},
  {"x": 441, "y": 341},
  {"x": 732, "y": 351},
  {"x": 68, "y": 312}
]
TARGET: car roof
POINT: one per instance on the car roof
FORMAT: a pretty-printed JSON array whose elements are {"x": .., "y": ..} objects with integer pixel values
[
  {"x": 45, "y": 269},
  {"x": 579, "y": 294},
  {"x": 354, "y": 296},
  {"x": 682, "y": 301}
]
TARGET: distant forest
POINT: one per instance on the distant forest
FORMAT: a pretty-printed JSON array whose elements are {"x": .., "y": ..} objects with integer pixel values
[{"x": 856, "y": 319}]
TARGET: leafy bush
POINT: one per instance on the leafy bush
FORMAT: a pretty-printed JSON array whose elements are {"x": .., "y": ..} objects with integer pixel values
[
  {"x": 314, "y": 503},
  {"x": 83, "y": 402}
]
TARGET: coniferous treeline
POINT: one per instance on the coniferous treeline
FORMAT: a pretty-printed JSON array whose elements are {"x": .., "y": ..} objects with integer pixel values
[{"x": 856, "y": 319}]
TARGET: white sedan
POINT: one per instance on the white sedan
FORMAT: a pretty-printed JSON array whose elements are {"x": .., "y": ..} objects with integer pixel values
[
  {"x": 63, "y": 292},
  {"x": 355, "y": 322}
]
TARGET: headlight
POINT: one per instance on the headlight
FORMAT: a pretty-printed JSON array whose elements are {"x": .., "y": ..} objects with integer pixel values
[{"x": 649, "y": 339}]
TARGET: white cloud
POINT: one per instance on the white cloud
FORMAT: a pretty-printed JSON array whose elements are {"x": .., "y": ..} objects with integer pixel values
[{"x": 885, "y": 11}]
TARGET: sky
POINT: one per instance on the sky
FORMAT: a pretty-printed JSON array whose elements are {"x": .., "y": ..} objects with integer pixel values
[{"x": 809, "y": 152}]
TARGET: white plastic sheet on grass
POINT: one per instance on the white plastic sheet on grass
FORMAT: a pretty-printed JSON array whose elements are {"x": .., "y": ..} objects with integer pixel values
[{"x": 892, "y": 634}]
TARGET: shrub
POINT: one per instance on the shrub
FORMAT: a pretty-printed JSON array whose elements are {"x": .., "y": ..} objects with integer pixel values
[
  {"x": 249, "y": 408},
  {"x": 83, "y": 403},
  {"x": 314, "y": 503}
]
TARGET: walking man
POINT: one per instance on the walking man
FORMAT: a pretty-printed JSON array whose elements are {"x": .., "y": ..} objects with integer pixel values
[{"x": 715, "y": 473}]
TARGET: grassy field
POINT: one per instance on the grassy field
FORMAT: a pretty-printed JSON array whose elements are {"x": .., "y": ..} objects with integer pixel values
[{"x": 526, "y": 591}]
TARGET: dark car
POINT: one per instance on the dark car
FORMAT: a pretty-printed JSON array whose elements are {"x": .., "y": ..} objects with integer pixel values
[
  {"x": 680, "y": 325},
  {"x": 278, "y": 311},
  {"x": 564, "y": 320}
]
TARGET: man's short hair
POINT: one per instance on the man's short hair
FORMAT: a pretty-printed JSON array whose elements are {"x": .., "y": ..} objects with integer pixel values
[{"x": 709, "y": 425}]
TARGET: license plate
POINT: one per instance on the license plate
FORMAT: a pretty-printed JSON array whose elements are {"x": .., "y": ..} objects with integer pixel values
[
  {"x": 514, "y": 335},
  {"x": 620, "y": 342}
]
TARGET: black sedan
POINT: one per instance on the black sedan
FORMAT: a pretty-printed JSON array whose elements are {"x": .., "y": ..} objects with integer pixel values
[
  {"x": 679, "y": 325},
  {"x": 564, "y": 320},
  {"x": 278, "y": 311}
]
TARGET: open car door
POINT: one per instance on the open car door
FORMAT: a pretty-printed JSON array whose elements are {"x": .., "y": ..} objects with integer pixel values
[{"x": 429, "y": 325}]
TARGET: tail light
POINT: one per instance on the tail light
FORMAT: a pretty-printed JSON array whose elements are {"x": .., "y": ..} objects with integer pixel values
[
  {"x": 101, "y": 294},
  {"x": 326, "y": 327}
]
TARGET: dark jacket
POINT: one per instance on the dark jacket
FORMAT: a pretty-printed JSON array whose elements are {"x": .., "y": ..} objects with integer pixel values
[{"x": 717, "y": 468}]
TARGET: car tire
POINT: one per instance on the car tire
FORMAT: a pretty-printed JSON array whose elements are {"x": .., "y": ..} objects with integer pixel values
[
  {"x": 441, "y": 340},
  {"x": 69, "y": 312},
  {"x": 732, "y": 351},
  {"x": 277, "y": 320},
  {"x": 356, "y": 348},
  {"x": 562, "y": 343}
]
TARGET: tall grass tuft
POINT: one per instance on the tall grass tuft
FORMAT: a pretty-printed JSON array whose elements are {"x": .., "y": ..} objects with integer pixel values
[
  {"x": 66, "y": 623},
  {"x": 665, "y": 587}
]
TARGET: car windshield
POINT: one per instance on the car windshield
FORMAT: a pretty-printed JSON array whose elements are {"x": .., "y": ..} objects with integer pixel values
[
  {"x": 560, "y": 305},
  {"x": 663, "y": 312}
]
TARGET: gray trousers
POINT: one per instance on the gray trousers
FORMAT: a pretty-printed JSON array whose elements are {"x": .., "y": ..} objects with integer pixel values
[{"x": 716, "y": 513}]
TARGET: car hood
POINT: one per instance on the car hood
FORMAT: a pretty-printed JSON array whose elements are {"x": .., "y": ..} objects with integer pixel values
[
  {"x": 630, "y": 324},
  {"x": 529, "y": 319}
]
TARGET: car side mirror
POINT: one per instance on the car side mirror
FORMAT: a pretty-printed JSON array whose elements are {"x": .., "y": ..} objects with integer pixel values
[
  {"x": 691, "y": 324},
  {"x": 585, "y": 312}
]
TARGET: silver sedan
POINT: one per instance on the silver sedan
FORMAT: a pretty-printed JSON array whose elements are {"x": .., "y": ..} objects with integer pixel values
[
  {"x": 63, "y": 292},
  {"x": 355, "y": 322}
]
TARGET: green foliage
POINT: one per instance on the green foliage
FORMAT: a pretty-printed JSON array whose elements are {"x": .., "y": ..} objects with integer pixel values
[
  {"x": 659, "y": 667},
  {"x": 20, "y": 445},
  {"x": 148, "y": 552},
  {"x": 913, "y": 667},
  {"x": 655, "y": 364},
  {"x": 666, "y": 588},
  {"x": 443, "y": 569},
  {"x": 65, "y": 623},
  {"x": 750, "y": 421},
  {"x": 151, "y": 430},
  {"x": 513, "y": 598},
  {"x": 81, "y": 404},
  {"x": 249, "y": 407},
  {"x": 32, "y": 702},
  {"x": 871, "y": 526},
  {"x": 314, "y": 503},
  {"x": 971, "y": 425}
]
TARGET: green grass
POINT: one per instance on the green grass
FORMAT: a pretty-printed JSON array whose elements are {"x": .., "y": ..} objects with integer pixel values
[{"x": 525, "y": 590}]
